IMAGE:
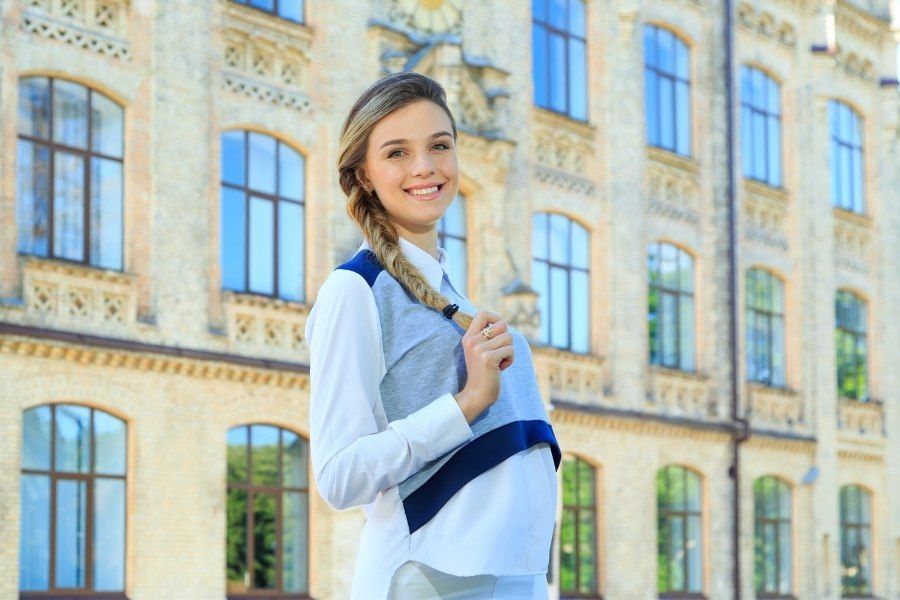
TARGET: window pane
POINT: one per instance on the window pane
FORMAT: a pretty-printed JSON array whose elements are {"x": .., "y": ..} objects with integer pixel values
[
  {"x": 759, "y": 144},
  {"x": 237, "y": 454},
  {"x": 232, "y": 164},
  {"x": 36, "y": 438},
  {"x": 669, "y": 266},
  {"x": 262, "y": 162},
  {"x": 856, "y": 184},
  {"x": 558, "y": 13},
  {"x": 232, "y": 234},
  {"x": 33, "y": 197},
  {"x": 747, "y": 142},
  {"x": 577, "y": 17},
  {"x": 577, "y": 77},
  {"x": 682, "y": 61},
  {"x": 665, "y": 49},
  {"x": 291, "y": 9},
  {"x": 559, "y": 328},
  {"x": 291, "y": 237},
  {"x": 778, "y": 351},
  {"x": 290, "y": 173},
  {"x": 653, "y": 324},
  {"x": 677, "y": 553},
  {"x": 587, "y": 576},
  {"x": 685, "y": 271},
  {"x": 70, "y": 113},
  {"x": 264, "y": 454},
  {"x": 694, "y": 556},
  {"x": 570, "y": 481},
  {"x": 650, "y": 51},
  {"x": 454, "y": 219},
  {"x": 845, "y": 199},
  {"x": 539, "y": 9},
  {"x": 73, "y": 439},
  {"x": 268, "y": 5},
  {"x": 580, "y": 314},
  {"x": 295, "y": 530},
  {"x": 784, "y": 566},
  {"x": 651, "y": 105},
  {"x": 586, "y": 485},
  {"x": 294, "y": 460},
  {"x": 238, "y": 579},
  {"x": 456, "y": 267},
  {"x": 540, "y": 283},
  {"x": 539, "y": 57},
  {"x": 559, "y": 239},
  {"x": 106, "y": 213},
  {"x": 669, "y": 330},
  {"x": 683, "y": 118},
  {"x": 557, "y": 72},
  {"x": 106, "y": 126},
  {"x": 539, "y": 235},
  {"x": 109, "y": 444},
  {"x": 580, "y": 245},
  {"x": 34, "y": 534},
  {"x": 34, "y": 107},
  {"x": 262, "y": 255},
  {"x": 109, "y": 534},
  {"x": 71, "y": 524},
  {"x": 774, "y": 152},
  {"x": 567, "y": 551},
  {"x": 265, "y": 541},
  {"x": 666, "y": 113},
  {"x": 68, "y": 206}
]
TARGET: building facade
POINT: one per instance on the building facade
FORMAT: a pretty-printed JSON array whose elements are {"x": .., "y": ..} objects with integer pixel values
[{"x": 169, "y": 207}]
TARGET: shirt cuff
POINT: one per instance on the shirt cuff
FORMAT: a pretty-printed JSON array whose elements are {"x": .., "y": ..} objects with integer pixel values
[{"x": 443, "y": 424}]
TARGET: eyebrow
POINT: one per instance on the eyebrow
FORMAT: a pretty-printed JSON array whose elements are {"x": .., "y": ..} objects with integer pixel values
[{"x": 433, "y": 135}]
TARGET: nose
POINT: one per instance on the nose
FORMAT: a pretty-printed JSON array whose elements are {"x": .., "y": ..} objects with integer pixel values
[{"x": 422, "y": 166}]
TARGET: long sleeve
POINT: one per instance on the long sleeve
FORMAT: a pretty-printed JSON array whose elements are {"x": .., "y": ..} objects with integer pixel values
[{"x": 352, "y": 460}]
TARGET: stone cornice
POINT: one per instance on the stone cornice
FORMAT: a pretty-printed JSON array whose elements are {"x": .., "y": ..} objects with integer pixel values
[{"x": 638, "y": 422}]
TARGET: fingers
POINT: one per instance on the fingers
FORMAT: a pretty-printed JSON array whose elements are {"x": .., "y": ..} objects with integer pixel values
[{"x": 500, "y": 354}]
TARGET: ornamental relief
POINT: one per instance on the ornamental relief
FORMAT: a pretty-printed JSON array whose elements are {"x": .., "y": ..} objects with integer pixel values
[
  {"x": 95, "y": 25},
  {"x": 765, "y": 220},
  {"x": 853, "y": 65},
  {"x": 863, "y": 419},
  {"x": 766, "y": 25},
  {"x": 677, "y": 393},
  {"x": 672, "y": 192},
  {"x": 568, "y": 376},
  {"x": 776, "y": 409},
  {"x": 852, "y": 242},
  {"x": 266, "y": 326}
]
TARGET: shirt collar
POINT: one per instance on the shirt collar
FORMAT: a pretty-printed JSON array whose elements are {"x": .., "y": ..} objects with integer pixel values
[{"x": 432, "y": 269}]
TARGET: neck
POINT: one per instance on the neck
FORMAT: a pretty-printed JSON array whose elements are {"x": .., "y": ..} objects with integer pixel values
[{"x": 426, "y": 240}]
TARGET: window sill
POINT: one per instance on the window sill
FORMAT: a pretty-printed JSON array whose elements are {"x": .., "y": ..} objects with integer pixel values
[
  {"x": 761, "y": 188},
  {"x": 670, "y": 158},
  {"x": 265, "y": 302},
  {"x": 548, "y": 117},
  {"x": 73, "y": 595},
  {"x": 267, "y": 595},
  {"x": 572, "y": 596},
  {"x": 857, "y": 218},
  {"x": 677, "y": 372},
  {"x": 263, "y": 17},
  {"x": 682, "y": 596}
]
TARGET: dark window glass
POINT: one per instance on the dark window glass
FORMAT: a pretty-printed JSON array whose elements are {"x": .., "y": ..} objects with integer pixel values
[
  {"x": 452, "y": 238},
  {"x": 267, "y": 543},
  {"x": 560, "y": 274},
  {"x": 679, "y": 536},
  {"x": 850, "y": 343},
  {"x": 73, "y": 500},
  {"x": 70, "y": 187},
  {"x": 765, "y": 328},
  {"x": 262, "y": 222},
  {"x": 578, "y": 571},
  {"x": 760, "y": 126},
  {"x": 856, "y": 541},
  {"x": 847, "y": 173},
  {"x": 292, "y": 10},
  {"x": 667, "y": 83},
  {"x": 559, "y": 56},
  {"x": 670, "y": 306},
  {"x": 772, "y": 536}
]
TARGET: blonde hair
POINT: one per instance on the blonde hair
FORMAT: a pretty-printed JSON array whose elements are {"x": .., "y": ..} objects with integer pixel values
[{"x": 383, "y": 97}]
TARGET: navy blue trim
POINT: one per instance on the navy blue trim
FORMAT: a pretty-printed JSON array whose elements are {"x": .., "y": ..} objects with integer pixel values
[
  {"x": 473, "y": 459},
  {"x": 364, "y": 262}
]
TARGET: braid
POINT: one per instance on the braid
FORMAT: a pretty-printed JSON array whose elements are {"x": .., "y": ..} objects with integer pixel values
[{"x": 373, "y": 219}]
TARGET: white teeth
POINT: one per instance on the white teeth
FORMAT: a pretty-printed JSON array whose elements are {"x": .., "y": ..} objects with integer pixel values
[{"x": 424, "y": 191}]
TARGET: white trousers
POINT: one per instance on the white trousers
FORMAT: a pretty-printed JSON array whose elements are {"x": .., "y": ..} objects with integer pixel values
[{"x": 417, "y": 581}]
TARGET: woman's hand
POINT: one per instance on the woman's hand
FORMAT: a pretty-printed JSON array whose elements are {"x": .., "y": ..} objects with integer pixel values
[{"x": 485, "y": 359}]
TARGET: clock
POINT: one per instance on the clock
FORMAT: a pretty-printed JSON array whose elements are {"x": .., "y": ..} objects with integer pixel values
[{"x": 431, "y": 16}]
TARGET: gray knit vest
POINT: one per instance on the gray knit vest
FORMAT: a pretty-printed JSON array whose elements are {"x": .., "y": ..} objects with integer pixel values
[{"x": 424, "y": 359}]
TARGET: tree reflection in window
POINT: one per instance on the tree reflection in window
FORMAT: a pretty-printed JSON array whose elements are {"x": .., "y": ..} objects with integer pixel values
[
  {"x": 679, "y": 536},
  {"x": 267, "y": 512},
  {"x": 578, "y": 535}
]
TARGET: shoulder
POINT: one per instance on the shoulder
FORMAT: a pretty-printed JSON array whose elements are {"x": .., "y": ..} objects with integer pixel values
[{"x": 365, "y": 264}]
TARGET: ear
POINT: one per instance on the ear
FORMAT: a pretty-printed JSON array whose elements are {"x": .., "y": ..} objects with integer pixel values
[{"x": 362, "y": 178}]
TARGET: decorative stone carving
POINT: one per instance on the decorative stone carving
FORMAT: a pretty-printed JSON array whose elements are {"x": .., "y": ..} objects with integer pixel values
[
  {"x": 269, "y": 326},
  {"x": 95, "y": 25},
  {"x": 852, "y": 241},
  {"x": 563, "y": 144},
  {"x": 864, "y": 419},
  {"x": 765, "y": 215},
  {"x": 776, "y": 409},
  {"x": 679, "y": 393},
  {"x": 568, "y": 376},
  {"x": 672, "y": 186},
  {"x": 766, "y": 25},
  {"x": 76, "y": 296},
  {"x": 853, "y": 64},
  {"x": 265, "y": 58}
]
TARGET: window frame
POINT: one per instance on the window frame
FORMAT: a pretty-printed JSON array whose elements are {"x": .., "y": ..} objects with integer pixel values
[
  {"x": 675, "y": 79},
  {"x": 769, "y": 316},
  {"x": 856, "y": 150},
  {"x": 760, "y": 520},
  {"x": 863, "y": 495},
  {"x": 443, "y": 234},
  {"x": 87, "y": 156},
  {"x": 566, "y": 34},
  {"x": 90, "y": 478},
  {"x": 666, "y": 513},
  {"x": 274, "y": 12},
  {"x": 678, "y": 294},
  {"x": 577, "y": 509},
  {"x": 748, "y": 71},
  {"x": 843, "y": 331}
]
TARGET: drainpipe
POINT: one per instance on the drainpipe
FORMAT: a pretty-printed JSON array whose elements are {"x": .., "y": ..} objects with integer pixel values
[{"x": 740, "y": 430}]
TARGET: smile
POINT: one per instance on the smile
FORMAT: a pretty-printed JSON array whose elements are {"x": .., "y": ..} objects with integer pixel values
[{"x": 429, "y": 193}]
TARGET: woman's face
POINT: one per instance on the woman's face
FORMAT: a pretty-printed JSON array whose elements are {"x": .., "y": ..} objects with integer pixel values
[{"x": 412, "y": 150}]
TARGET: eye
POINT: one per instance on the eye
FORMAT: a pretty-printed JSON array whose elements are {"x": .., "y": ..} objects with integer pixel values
[
  {"x": 393, "y": 152},
  {"x": 446, "y": 147}
]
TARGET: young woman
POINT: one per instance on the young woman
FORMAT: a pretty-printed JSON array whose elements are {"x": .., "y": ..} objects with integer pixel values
[{"x": 424, "y": 410}]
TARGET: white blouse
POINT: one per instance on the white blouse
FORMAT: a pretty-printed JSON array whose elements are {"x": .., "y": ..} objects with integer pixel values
[{"x": 500, "y": 523}]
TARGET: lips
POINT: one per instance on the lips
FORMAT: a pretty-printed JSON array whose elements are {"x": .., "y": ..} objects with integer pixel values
[{"x": 430, "y": 196}]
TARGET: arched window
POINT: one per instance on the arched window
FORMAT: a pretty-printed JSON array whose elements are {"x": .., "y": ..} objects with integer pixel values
[
  {"x": 578, "y": 571},
  {"x": 559, "y": 273},
  {"x": 847, "y": 173},
  {"x": 671, "y": 306},
  {"x": 267, "y": 544},
  {"x": 69, "y": 191},
  {"x": 765, "y": 328},
  {"x": 679, "y": 536},
  {"x": 667, "y": 90},
  {"x": 72, "y": 535},
  {"x": 772, "y": 536},
  {"x": 452, "y": 238},
  {"x": 292, "y": 10},
  {"x": 856, "y": 541},
  {"x": 760, "y": 126},
  {"x": 262, "y": 216},
  {"x": 850, "y": 340},
  {"x": 559, "y": 56}
]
